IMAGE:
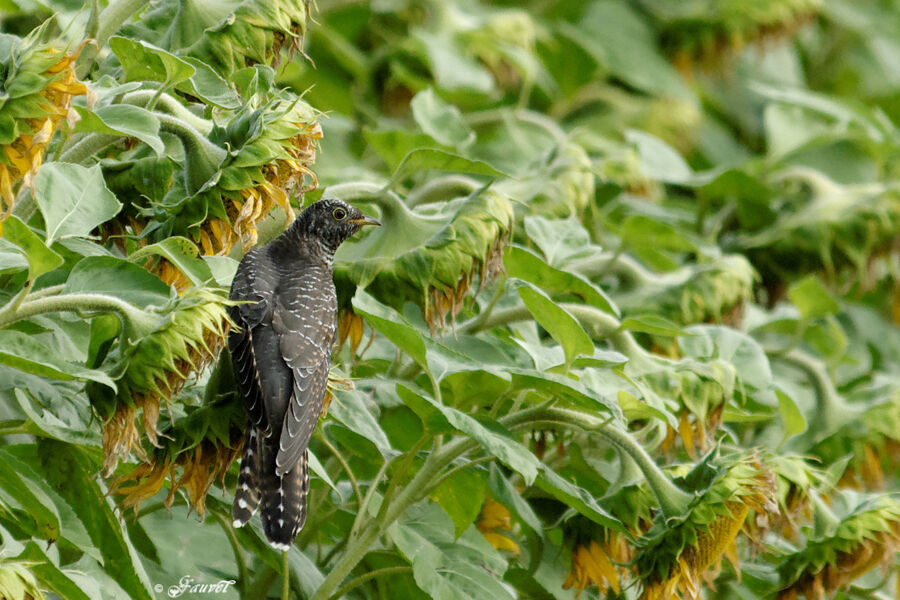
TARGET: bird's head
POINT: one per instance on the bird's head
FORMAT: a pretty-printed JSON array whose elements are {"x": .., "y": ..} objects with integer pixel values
[{"x": 331, "y": 221}]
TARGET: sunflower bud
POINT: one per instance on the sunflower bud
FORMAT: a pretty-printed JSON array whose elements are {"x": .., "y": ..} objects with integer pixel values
[{"x": 38, "y": 84}]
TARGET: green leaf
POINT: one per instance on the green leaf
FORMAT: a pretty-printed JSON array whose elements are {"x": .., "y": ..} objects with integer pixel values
[
  {"x": 117, "y": 277},
  {"x": 27, "y": 496},
  {"x": 182, "y": 253},
  {"x": 206, "y": 84},
  {"x": 791, "y": 416},
  {"x": 506, "y": 494},
  {"x": 73, "y": 199},
  {"x": 145, "y": 62},
  {"x": 71, "y": 473},
  {"x": 812, "y": 299},
  {"x": 561, "y": 326},
  {"x": 653, "y": 324},
  {"x": 318, "y": 469},
  {"x": 640, "y": 232},
  {"x": 448, "y": 568},
  {"x": 41, "y": 259},
  {"x": 571, "y": 494},
  {"x": 440, "y": 120},
  {"x": 565, "y": 389},
  {"x": 428, "y": 159},
  {"x": 659, "y": 161},
  {"x": 495, "y": 440},
  {"x": 50, "y": 575},
  {"x": 527, "y": 266},
  {"x": 26, "y": 353},
  {"x": 392, "y": 326},
  {"x": 461, "y": 495},
  {"x": 123, "y": 119},
  {"x": 350, "y": 408},
  {"x": 394, "y": 144}
]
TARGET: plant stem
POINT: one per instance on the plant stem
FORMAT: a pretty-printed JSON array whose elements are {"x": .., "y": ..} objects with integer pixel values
[
  {"x": 243, "y": 574},
  {"x": 673, "y": 501},
  {"x": 88, "y": 147},
  {"x": 285, "y": 576},
  {"x": 599, "y": 325},
  {"x": 832, "y": 411},
  {"x": 353, "y": 583},
  {"x": 114, "y": 16},
  {"x": 441, "y": 189},
  {"x": 171, "y": 105},
  {"x": 340, "y": 458},
  {"x": 68, "y": 302}
]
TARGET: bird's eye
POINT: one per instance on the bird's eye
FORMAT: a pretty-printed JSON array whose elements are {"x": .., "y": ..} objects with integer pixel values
[{"x": 339, "y": 213}]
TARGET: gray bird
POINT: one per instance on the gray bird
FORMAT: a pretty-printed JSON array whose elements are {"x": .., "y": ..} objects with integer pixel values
[{"x": 281, "y": 353}]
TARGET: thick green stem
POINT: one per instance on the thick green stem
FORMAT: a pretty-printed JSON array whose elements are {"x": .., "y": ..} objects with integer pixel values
[
  {"x": 243, "y": 574},
  {"x": 442, "y": 188},
  {"x": 414, "y": 491},
  {"x": 69, "y": 302},
  {"x": 832, "y": 412},
  {"x": 115, "y": 15},
  {"x": 673, "y": 501},
  {"x": 88, "y": 147},
  {"x": 171, "y": 105},
  {"x": 616, "y": 263},
  {"x": 598, "y": 324}
]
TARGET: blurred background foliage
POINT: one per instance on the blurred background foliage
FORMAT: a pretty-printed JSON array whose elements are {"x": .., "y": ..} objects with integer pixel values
[{"x": 629, "y": 329}]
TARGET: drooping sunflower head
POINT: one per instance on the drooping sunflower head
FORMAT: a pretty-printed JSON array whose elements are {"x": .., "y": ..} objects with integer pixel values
[
  {"x": 677, "y": 557},
  {"x": 862, "y": 533},
  {"x": 180, "y": 341},
  {"x": 195, "y": 450},
  {"x": 274, "y": 147},
  {"x": 37, "y": 82},
  {"x": 448, "y": 247},
  {"x": 705, "y": 33}
]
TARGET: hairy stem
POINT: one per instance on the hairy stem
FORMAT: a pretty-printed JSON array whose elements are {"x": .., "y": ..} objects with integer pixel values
[
  {"x": 68, "y": 302},
  {"x": 88, "y": 147}
]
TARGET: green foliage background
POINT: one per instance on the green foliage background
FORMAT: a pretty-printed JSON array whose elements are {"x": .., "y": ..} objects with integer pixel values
[{"x": 632, "y": 310}]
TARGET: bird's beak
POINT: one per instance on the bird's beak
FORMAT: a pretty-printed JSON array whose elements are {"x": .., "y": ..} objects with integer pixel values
[{"x": 364, "y": 220}]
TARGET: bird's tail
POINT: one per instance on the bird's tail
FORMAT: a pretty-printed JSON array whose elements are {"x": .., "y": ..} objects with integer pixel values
[
  {"x": 246, "y": 496},
  {"x": 284, "y": 503}
]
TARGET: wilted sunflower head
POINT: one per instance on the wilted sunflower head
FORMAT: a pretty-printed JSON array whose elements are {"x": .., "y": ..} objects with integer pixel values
[
  {"x": 195, "y": 450},
  {"x": 273, "y": 148},
  {"x": 179, "y": 340},
  {"x": 677, "y": 557},
  {"x": 38, "y": 84},
  {"x": 447, "y": 247},
  {"x": 862, "y": 533}
]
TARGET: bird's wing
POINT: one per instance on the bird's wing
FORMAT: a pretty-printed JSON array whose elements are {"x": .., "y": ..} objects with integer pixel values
[
  {"x": 306, "y": 329},
  {"x": 255, "y": 281}
]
